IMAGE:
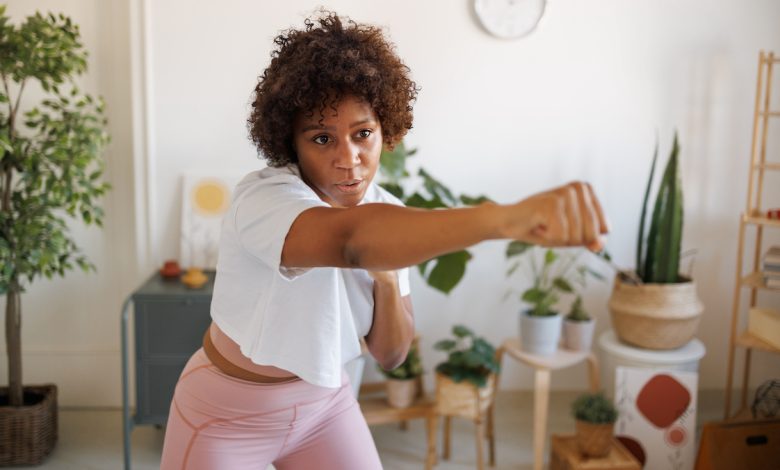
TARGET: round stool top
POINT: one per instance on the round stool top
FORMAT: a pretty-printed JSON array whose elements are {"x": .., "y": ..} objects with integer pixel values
[{"x": 693, "y": 351}]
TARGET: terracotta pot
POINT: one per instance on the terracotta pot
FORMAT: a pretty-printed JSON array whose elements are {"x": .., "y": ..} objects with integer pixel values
[
  {"x": 401, "y": 393},
  {"x": 594, "y": 440},
  {"x": 655, "y": 316}
]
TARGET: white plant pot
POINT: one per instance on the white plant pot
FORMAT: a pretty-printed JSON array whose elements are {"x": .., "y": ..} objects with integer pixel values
[
  {"x": 578, "y": 335},
  {"x": 540, "y": 335}
]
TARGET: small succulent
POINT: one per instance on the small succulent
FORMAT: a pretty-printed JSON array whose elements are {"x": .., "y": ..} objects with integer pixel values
[
  {"x": 577, "y": 312},
  {"x": 594, "y": 408}
]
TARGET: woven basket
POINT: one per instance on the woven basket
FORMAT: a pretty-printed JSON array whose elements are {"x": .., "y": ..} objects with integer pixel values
[
  {"x": 463, "y": 399},
  {"x": 28, "y": 433},
  {"x": 401, "y": 393},
  {"x": 655, "y": 316},
  {"x": 594, "y": 440}
]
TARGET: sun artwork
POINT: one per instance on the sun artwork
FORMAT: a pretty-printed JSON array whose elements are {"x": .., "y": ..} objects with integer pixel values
[{"x": 210, "y": 198}]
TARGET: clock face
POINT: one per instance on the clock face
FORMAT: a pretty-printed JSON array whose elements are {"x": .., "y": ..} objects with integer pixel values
[{"x": 509, "y": 18}]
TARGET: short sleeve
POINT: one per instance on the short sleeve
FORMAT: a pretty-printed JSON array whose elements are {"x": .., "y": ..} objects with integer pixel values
[{"x": 264, "y": 214}]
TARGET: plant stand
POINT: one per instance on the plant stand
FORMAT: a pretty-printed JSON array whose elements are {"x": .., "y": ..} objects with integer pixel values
[
  {"x": 465, "y": 400},
  {"x": 544, "y": 365},
  {"x": 566, "y": 456}
]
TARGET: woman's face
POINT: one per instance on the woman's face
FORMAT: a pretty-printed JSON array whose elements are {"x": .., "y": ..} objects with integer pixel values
[{"x": 339, "y": 156}]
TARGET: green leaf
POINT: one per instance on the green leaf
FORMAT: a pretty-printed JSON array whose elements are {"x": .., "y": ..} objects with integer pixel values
[
  {"x": 448, "y": 270},
  {"x": 515, "y": 248},
  {"x": 534, "y": 295},
  {"x": 640, "y": 255},
  {"x": 474, "y": 201},
  {"x": 436, "y": 188},
  {"x": 562, "y": 284},
  {"x": 444, "y": 345},
  {"x": 461, "y": 331},
  {"x": 394, "y": 189},
  {"x": 549, "y": 257}
]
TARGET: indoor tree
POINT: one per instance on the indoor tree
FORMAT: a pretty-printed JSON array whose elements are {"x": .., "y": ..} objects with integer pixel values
[{"x": 50, "y": 163}]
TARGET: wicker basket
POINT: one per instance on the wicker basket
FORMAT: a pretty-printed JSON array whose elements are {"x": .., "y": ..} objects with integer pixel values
[
  {"x": 463, "y": 399},
  {"x": 594, "y": 440},
  {"x": 401, "y": 393},
  {"x": 655, "y": 316},
  {"x": 28, "y": 433}
]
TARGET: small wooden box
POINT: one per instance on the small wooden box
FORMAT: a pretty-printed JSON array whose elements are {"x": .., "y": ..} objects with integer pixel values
[{"x": 566, "y": 456}]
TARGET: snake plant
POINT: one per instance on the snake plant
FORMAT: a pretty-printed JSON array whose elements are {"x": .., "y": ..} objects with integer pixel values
[{"x": 658, "y": 260}]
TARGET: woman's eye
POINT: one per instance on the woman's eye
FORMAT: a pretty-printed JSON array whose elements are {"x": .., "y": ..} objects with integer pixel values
[
  {"x": 321, "y": 139},
  {"x": 365, "y": 133}
]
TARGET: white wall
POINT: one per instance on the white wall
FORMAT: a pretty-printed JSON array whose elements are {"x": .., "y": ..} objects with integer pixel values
[{"x": 580, "y": 98}]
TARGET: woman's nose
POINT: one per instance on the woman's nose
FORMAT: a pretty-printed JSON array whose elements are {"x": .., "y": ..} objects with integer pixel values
[{"x": 348, "y": 155}]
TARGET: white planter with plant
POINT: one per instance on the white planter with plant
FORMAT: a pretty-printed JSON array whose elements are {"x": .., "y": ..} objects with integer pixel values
[
  {"x": 540, "y": 325},
  {"x": 595, "y": 425},
  {"x": 656, "y": 307},
  {"x": 402, "y": 384},
  {"x": 578, "y": 328}
]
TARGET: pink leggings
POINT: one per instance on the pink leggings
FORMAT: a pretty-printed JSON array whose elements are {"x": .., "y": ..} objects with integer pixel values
[{"x": 218, "y": 422}]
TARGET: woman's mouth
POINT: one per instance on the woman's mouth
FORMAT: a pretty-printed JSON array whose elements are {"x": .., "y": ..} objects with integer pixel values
[{"x": 350, "y": 186}]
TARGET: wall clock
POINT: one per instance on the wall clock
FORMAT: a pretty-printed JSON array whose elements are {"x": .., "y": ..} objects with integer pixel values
[{"x": 509, "y": 19}]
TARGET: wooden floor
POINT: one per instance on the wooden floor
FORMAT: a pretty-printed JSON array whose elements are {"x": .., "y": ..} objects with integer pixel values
[{"x": 92, "y": 439}]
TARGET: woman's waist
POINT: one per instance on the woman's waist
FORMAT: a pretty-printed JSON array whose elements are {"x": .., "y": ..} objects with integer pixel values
[{"x": 230, "y": 351}]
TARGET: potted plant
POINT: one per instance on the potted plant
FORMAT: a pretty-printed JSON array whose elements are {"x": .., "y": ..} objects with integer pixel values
[
  {"x": 50, "y": 166},
  {"x": 540, "y": 324},
  {"x": 595, "y": 424},
  {"x": 656, "y": 307},
  {"x": 578, "y": 327},
  {"x": 466, "y": 381},
  {"x": 402, "y": 384}
]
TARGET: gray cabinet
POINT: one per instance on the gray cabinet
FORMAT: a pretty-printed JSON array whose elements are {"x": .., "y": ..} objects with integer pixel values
[{"x": 170, "y": 321}]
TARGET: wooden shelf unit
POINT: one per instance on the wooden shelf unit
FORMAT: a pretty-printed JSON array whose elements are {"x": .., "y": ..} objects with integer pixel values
[{"x": 753, "y": 215}]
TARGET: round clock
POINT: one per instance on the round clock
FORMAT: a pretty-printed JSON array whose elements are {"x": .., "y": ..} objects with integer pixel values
[{"x": 509, "y": 19}]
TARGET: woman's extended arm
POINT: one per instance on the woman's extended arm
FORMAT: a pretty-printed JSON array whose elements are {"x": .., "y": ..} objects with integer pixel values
[{"x": 381, "y": 237}]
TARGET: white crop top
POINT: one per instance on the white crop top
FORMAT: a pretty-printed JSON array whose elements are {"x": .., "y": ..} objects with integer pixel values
[{"x": 307, "y": 321}]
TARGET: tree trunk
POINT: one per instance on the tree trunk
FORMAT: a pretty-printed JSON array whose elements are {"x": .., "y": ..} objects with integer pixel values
[{"x": 13, "y": 341}]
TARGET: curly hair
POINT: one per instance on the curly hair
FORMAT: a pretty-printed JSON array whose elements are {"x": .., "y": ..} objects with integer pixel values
[{"x": 314, "y": 67}]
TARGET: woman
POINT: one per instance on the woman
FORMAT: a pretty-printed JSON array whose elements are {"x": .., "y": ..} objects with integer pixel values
[{"x": 314, "y": 255}]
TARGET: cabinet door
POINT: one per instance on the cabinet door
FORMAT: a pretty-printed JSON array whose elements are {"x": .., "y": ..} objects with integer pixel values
[
  {"x": 170, "y": 327},
  {"x": 167, "y": 333}
]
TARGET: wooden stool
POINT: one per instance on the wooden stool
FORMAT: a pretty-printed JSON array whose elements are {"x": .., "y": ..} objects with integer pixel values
[
  {"x": 543, "y": 365},
  {"x": 566, "y": 456}
]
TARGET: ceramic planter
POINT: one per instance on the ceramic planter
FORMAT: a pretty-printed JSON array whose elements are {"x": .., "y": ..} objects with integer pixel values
[
  {"x": 655, "y": 316},
  {"x": 578, "y": 335},
  {"x": 540, "y": 335},
  {"x": 401, "y": 393},
  {"x": 594, "y": 440}
]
